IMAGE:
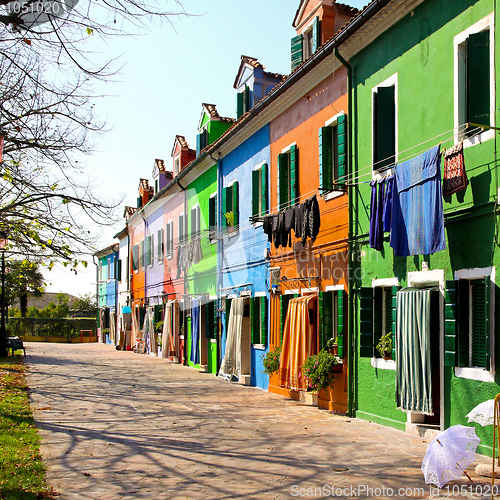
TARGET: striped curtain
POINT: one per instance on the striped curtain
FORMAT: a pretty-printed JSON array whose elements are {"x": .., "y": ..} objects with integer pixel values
[
  {"x": 135, "y": 324},
  {"x": 231, "y": 363},
  {"x": 299, "y": 342},
  {"x": 413, "y": 354}
]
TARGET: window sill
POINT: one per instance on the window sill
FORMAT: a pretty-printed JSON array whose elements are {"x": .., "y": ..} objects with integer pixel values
[
  {"x": 259, "y": 347},
  {"x": 333, "y": 194},
  {"x": 383, "y": 364},
  {"x": 479, "y": 374}
]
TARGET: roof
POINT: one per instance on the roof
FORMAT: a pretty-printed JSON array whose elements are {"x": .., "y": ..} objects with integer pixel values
[
  {"x": 340, "y": 7},
  {"x": 107, "y": 251},
  {"x": 252, "y": 61},
  {"x": 183, "y": 143},
  {"x": 144, "y": 183},
  {"x": 129, "y": 211},
  {"x": 211, "y": 109},
  {"x": 123, "y": 232}
]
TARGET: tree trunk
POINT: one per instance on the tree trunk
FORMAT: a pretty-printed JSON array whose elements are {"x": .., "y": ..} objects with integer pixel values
[{"x": 23, "y": 300}]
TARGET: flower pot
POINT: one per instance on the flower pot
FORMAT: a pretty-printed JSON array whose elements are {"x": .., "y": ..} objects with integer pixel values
[{"x": 309, "y": 398}]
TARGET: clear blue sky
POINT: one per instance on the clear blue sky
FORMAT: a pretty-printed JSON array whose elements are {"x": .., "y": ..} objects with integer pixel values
[{"x": 168, "y": 73}]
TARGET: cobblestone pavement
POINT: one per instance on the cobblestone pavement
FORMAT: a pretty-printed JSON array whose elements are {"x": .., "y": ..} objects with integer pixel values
[{"x": 117, "y": 425}]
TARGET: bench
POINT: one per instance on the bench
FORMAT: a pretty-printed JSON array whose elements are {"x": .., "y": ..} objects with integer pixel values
[{"x": 14, "y": 344}]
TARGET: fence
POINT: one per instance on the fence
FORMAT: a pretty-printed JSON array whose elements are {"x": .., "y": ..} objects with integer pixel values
[{"x": 50, "y": 327}]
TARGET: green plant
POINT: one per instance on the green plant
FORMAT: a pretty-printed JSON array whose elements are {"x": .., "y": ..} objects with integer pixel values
[
  {"x": 384, "y": 347},
  {"x": 331, "y": 343},
  {"x": 229, "y": 218},
  {"x": 159, "y": 326},
  {"x": 317, "y": 370},
  {"x": 271, "y": 361}
]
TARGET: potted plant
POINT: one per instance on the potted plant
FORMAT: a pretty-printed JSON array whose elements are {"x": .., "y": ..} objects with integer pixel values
[
  {"x": 271, "y": 361},
  {"x": 317, "y": 372},
  {"x": 332, "y": 346},
  {"x": 384, "y": 347}
]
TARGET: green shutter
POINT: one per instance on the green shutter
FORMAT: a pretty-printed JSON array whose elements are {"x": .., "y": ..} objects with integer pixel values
[
  {"x": 209, "y": 317},
  {"x": 263, "y": 320},
  {"x": 224, "y": 207},
  {"x": 212, "y": 220},
  {"x": 254, "y": 318},
  {"x": 296, "y": 51},
  {"x": 239, "y": 104},
  {"x": 236, "y": 204},
  {"x": 119, "y": 270},
  {"x": 255, "y": 192},
  {"x": 228, "y": 309},
  {"x": 341, "y": 321},
  {"x": 139, "y": 202},
  {"x": 325, "y": 157},
  {"x": 384, "y": 127},
  {"x": 264, "y": 202},
  {"x": 477, "y": 51},
  {"x": 284, "y": 300},
  {"x": 283, "y": 160},
  {"x": 325, "y": 306},
  {"x": 378, "y": 303},
  {"x": 246, "y": 99},
  {"x": 316, "y": 35},
  {"x": 480, "y": 322},
  {"x": 294, "y": 175},
  {"x": 463, "y": 325},
  {"x": 366, "y": 322},
  {"x": 450, "y": 323},
  {"x": 341, "y": 149}
]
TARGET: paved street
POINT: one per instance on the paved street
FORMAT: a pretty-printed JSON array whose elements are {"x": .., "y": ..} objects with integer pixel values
[{"x": 117, "y": 425}]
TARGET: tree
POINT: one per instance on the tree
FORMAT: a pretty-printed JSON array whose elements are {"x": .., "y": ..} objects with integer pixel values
[
  {"x": 47, "y": 121},
  {"x": 23, "y": 280},
  {"x": 84, "y": 306}
]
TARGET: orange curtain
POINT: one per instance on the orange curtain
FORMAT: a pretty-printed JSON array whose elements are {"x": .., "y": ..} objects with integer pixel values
[{"x": 299, "y": 342}]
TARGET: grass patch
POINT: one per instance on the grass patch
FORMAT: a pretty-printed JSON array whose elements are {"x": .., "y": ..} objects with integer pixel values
[{"x": 22, "y": 472}]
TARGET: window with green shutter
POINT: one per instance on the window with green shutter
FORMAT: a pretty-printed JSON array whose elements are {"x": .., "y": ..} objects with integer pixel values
[
  {"x": 288, "y": 178},
  {"x": 160, "y": 248},
  {"x": 212, "y": 217},
  {"x": 377, "y": 315},
  {"x": 243, "y": 102},
  {"x": 195, "y": 222},
  {"x": 119, "y": 270},
  {"x": 141, "y": 255},
  {"x": 169, "y": 239},
  {"x": 258, "y": 315},
  {"x": 384, "y": 127},
  {"x": 296, "y": 51},
  {"x": 316, "y": 35},
  {"x": 135, "y": 258},
  {"x": 201, "y": 141},
  {"x": 333, "y": 154},
  {"x": 211, "y": 320},
  {"x": 477, "y": 79},
  {"x": 230, "y": 205},
  {"x": 259, "y": 191}
]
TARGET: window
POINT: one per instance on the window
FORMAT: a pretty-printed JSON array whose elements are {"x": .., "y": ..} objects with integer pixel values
[
  {"x": 230, "y": 205},
  {"x": 149, "y": 250},
  {"x": 468, "y": 323},
  {"x": 212, "y": 321},
  {"x": 169, "y": 239},
  {"x": 195, "y": 222},
  {"x": 332, "y": 153},
  {"x": 201, "y": 141},
  {"x": 474, "y": 84},
  {"x": 176, "y": 166},
  {"x": 377, "y": 317},
  {"x": 109, "y": 268},
  {"x": 258, "y": 314},
  {"x": 160, "y": 247},
  {"x": 243, "y": 102},
  {"x": 306, "y": 44},
  {"x": 182, "y": 229},
  {"x": 119, "y": 270},
  {"x": 284, "y": 300},
  {"x": 288, "y": 186},
  {"x": 384, "y": 124},
  {"x": 331, "y": 318},
  {"x": 259, "y": 191},
  {"x": 141, "y": 255},
  {"x": 135, "y": 257},
  {"x": 212, "y": 216}
]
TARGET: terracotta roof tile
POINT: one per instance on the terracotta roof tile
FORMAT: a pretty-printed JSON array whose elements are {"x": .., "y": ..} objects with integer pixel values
[
  {"x": 212, "y": 110},
  {"x": 252, "y": 61},
  {"x": 182, "y": 141},
  {"x": 144, "y": 183},
  {"x": 129, "y": 211},
  {"x": 161, "y": 165}
]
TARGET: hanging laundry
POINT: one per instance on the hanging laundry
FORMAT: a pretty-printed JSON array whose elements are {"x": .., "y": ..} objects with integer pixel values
[
  {"x": 417, "y": 226},
  {"x": 197, "y": 252},
  {"x": 388, "y": 195},
  {"x": 311, "y": 219},
  {"x": 280, "y": 230},
  {"x": 454, "y": 177},
  {"x": 267, "y": 226},
  {"x": 299, "y": 215},
  {"x": 289, "y": 225},
  {"x": 376, "y": 232}
]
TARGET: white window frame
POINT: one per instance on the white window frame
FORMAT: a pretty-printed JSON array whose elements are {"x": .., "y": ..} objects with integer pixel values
[
  {"x": 480, "y": 373},
  {"x": 160, "y": 254},
  {"x": 261, "y": 208},
  {"x": 213, "y": 234},
  {"x": 181, "y": 228},
  {"x": 197, "y": 229},
  {"x": 392, "y": 81},
  {"x": 306, "y": 47},
  {"x": 287, "y": 150},
  {"x": 487, "y": 23}
]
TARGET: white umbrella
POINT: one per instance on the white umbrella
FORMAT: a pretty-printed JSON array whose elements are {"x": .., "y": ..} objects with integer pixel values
[
  {"x": 483, "y": 413},
  {"x": 448, "y": 454}
]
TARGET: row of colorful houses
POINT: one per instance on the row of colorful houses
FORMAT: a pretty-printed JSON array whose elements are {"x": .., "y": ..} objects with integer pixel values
[{"x": 323, "y": 200}]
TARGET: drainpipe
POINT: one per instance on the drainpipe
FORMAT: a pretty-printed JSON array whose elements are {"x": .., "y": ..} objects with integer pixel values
[
  {"x": 97, "y": 289},
  {"x": 350, "y": 270},
  {"x": 219, "y": 255},
  {"x": 145, "y": 265},
  {"x": 184, "y": 312}
]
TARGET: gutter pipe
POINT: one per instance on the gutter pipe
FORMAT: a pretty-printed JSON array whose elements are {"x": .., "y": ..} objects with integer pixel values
[{"x": 350, "y": 252}]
